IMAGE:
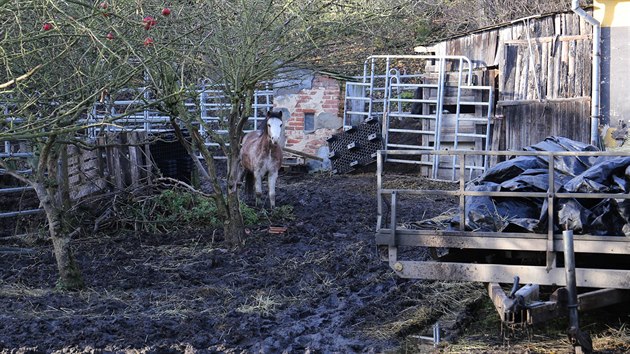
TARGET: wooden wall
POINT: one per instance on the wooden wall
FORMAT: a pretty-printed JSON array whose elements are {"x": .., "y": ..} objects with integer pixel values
[
  {"x": 120, "y": 160},
  {"x": 529, "y": 122},
  {"x": 544, "y": 75}
]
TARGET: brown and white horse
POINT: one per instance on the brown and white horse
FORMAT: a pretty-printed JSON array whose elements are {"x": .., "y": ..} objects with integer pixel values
[{"x": 261, "y": 154}]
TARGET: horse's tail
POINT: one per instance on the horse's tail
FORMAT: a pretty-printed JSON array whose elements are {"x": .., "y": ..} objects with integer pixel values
[{"x": 249, "y": 183}]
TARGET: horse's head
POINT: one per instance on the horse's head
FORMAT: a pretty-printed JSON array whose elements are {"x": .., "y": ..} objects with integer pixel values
[{"x": 274, "y": 129}]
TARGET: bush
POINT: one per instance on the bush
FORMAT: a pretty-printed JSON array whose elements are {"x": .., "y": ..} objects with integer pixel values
[{"x": 171, "y": 210}]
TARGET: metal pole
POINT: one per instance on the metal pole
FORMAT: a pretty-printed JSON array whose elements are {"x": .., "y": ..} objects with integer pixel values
[
  {"x": 551, "y": 255},
  {"x": 488, "y": 142},
  {"x": 379, "y": 187},
  {"x": 457, "y": 113},
  {"x": 581, "y": 341},
  {"x": 569, "y": 270},
  {"x": 596, "y": 71},
  {"x": 438, "y": 115}
]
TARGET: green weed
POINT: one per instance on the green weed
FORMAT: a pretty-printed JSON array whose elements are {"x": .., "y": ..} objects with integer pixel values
[{"x": 173, "y": 209}]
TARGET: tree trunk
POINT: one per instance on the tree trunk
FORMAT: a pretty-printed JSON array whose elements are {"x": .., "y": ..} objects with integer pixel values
[
  {"x": 70, "y": 277},
  {"x": 233, "y": 226},
  {"x": 69, "y": 272}
]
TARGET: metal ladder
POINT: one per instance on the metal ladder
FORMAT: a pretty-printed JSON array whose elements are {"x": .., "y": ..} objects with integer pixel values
[
  {"x": 486, "y": 120},
  {"x": 430, "y": 123}
]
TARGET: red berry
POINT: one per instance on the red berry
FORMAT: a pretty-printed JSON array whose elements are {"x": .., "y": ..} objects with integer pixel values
[
  {"x": 47, "y": 26},
  {"x": 148, "y": 41},
  {"x": 104, "y": 6},
  {"x": 166, "y": 11},
  {"x": 149, "y": 22},
  {"x": 110, "y": 36}
]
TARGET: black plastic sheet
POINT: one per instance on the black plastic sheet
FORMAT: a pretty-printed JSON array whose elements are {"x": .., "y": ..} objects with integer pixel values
[{"x": 572, "y": 174}]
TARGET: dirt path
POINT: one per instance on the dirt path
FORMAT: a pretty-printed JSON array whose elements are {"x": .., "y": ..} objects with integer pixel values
[{"x": 320, "y": 287}]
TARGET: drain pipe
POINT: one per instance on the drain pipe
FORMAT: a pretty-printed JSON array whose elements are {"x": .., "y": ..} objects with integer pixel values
[{"x": 595, "y": 84}]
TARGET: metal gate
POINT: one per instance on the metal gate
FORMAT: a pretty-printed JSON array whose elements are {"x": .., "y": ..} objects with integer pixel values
[
  {"x": 17, "y": 151},
  {"x": 426, "y": 103}
]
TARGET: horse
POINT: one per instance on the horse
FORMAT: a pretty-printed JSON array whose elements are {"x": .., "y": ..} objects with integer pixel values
[{"x": 261, "y": 154}]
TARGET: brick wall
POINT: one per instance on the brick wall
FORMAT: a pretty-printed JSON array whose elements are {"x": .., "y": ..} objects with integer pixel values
[{"x": 322, "y": 99}]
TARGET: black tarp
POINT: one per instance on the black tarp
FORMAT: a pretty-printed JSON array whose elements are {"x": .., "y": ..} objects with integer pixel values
[{"x": 573, "y": 174}]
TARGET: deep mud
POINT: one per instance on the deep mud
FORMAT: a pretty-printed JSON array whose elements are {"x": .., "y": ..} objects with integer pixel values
[{"x": 319, "y": 287}]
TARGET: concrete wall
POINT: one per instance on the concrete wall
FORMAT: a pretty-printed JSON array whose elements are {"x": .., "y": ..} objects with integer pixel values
[
  {"x": 315, "y": 94},
  {"x": 614, "y": 17}
]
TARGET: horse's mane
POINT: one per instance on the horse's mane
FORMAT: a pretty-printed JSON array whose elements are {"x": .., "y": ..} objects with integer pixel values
[{"x": 272, "y": 114}]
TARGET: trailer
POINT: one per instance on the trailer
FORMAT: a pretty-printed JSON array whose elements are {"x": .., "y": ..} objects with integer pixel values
[{"x": 590, "y": 271}]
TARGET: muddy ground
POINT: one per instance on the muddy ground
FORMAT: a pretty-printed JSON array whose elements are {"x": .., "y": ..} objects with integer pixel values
[{"x": 318, "y": 288}]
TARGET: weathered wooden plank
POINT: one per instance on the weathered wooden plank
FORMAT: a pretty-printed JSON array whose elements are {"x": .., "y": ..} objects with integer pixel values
[
  {"x": 530, "y": 87},
  {"x": 524, "y": 73},
  {"x": 580, "y": 66},
  {"x": 134, "y": 166},
  {"x": 571, "y": 69},
  {"x": 118, "y": 171},
  {"x": 583, "y": 24},
  {"x": 493, "y": 47},
  {"x": 576, "y": 23},
  {"x": 548, "y": 26},
  {"x": 557, "y": 70},
  {"x": 498, "y": 135},
  {"x": 100, "y": 155},
  {"x": 555, "y": 101},
  {"x": 550, "y": 70},
  {"x": 569, "y": 24},
  {"x": 544, "y": 69},
  {"x": 566, "y": 24},
  {"x": 518, "y": 68},
  {"x": 564, "y": 70},
  {"x": 587, "y": 57},
  {"x": 538, "y": 69},
  {"x": 508, "y": 74}
]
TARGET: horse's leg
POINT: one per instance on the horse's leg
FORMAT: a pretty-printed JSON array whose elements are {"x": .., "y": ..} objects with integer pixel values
[
  {"x": 258, "y": 185},
  {"x": 273, "y": 176},
  {"x": 240, "y": 171}
]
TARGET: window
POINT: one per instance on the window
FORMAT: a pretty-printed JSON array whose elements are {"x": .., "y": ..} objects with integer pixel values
[{"x": 309, "y": 121}]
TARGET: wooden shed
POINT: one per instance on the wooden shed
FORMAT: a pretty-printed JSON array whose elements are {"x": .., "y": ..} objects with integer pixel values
[{"x": 541, "y": 69}]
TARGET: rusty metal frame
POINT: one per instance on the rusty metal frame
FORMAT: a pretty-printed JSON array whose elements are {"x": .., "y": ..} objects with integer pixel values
[
  {"x": 392, "y": 236},
  {"x": 542, "y": 311}
]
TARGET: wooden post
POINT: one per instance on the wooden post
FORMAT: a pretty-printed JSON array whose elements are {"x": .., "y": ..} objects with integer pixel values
[{"x": 134, "y": 165}]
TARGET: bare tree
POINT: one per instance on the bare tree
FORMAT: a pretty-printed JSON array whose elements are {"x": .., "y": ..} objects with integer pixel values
[
  {"x": 239, "y": 45},
  {"x": 58, "y": 58}
]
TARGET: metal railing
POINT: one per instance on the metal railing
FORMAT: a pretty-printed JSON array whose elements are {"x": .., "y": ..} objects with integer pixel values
[
  {"x": 211, "y": 105},
  {"x": 393, "y": 235}
]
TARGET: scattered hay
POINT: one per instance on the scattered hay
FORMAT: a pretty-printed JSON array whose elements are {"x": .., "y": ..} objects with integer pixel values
[
  {"x": 262, "y": 304},
  {"x": 613, "y": 339},
  {"x": 424, "y": 305}
]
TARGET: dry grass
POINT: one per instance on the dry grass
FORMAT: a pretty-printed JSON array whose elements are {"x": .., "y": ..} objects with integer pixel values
[
  {"x": 440, "y": 302},
  {"x": 261, "y": 303}
]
